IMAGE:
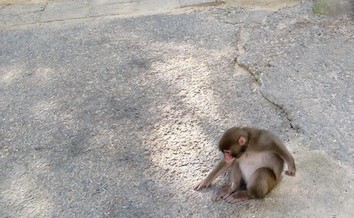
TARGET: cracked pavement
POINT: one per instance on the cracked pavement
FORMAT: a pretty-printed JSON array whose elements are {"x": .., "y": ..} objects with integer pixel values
[{"x": 119, "y": 116}]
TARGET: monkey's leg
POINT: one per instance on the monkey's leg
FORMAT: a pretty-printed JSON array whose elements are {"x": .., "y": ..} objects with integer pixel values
[
  {"x": 281, "y": 150},
  {"x": 235, "y": 181},
  {"x": 261, "y": 183}
]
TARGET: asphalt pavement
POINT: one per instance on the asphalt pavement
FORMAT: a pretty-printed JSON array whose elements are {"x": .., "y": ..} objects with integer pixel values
[{"x": 110, "y": 111}]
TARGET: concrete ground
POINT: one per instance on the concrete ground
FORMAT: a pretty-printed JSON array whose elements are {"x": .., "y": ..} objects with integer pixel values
[{"x": 115, "y": 111}]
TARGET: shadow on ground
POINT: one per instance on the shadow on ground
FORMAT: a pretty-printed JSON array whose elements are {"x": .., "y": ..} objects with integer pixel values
[{"x": 99, "y": 117}]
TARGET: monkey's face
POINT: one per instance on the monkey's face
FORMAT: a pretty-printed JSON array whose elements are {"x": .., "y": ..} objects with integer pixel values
[
  {"x": 238, "y": 150},
  {"x": 232, "y": 147},
  {"x": 233, "y": 151}
]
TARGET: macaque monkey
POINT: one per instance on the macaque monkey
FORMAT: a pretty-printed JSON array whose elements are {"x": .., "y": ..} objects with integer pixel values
[{"x": 256, "y": 158}]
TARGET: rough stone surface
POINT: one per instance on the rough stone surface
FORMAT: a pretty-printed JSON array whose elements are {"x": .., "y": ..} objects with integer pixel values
[
  {"x": 19, "y": 12},
  {"x": 120, "y": 117},
  {"x": 334, "y": 7},
  {"x": 304, "y": 66}
]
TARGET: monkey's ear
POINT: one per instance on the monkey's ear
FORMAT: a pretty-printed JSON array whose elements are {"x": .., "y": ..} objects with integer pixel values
[{"x": 242, "y": 140}]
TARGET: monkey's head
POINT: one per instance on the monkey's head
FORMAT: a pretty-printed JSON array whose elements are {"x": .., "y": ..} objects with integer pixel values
[{"x": 233, "y": 143}]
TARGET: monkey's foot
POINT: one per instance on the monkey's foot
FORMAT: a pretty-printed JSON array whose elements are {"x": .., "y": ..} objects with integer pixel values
[
  {"x": 223, "y": 193},
  {"x": 238, "y": 197},
  {"x": 290, "y": 172}
]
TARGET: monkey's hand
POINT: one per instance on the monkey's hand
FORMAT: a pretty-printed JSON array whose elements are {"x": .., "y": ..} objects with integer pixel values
[
  {"x": 290, "y": 172},
  {"x": 201, "y": 185}
]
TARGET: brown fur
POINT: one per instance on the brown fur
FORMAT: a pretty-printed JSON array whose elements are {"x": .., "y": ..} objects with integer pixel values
[{"x": 258, "y": 161}]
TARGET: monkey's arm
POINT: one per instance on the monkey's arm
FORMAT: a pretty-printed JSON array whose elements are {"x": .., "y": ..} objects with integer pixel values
[
  {"x": 287, "y": 157},
  {"x": 235, "y": 181},
  {"x": 220, "y": 168},
  {"x": 236, "y": 176}
]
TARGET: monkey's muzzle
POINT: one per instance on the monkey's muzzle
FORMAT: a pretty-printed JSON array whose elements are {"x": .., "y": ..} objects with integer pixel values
[{"x": 228, "y": 156}]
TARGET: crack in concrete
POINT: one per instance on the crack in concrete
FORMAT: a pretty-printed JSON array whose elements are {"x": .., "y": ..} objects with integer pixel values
[
  {"x": 45, "y": 6},
  {"x": 243, "y": 35},
  {"x": 39, "y": 10},
  {"x": 256, "y": 78}
]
